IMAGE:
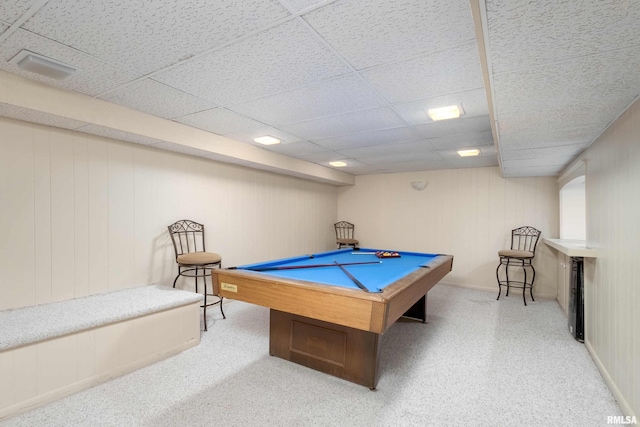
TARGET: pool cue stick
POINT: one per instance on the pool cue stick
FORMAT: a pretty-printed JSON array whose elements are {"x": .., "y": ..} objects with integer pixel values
[
  {"x": 295, "y": 267},
  {"x": 363, "y": 253},
  {"x": 356, "y": 281}
]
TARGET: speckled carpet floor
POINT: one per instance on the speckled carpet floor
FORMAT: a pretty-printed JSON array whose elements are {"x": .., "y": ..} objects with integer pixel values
[{"x": 477, "y": 362}]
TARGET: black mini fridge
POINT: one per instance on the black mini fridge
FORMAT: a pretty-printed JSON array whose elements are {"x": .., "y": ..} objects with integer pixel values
[{"x": 576, "y": 302}]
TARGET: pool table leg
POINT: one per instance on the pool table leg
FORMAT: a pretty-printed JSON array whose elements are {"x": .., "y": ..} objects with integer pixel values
[
  {"x": 337, "y": 350},
  {"x": 418, "y": 310}
]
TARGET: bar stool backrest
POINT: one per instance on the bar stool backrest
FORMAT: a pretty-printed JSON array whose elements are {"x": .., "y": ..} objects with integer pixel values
[
  {"x": 524, "y": 239},
  {"x": 187, "y": 237},
  {"x": 344, "y": 230}
]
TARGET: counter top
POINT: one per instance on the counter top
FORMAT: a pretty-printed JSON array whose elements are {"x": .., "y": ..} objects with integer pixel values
[{"x": 576, "y": 248}]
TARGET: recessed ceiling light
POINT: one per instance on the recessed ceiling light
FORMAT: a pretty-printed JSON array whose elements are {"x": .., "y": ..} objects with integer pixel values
[
  {"x": 267, "y": 140},
  {"x": 339, "y": 164},
  {"x": 42, "y": 65},
  {"x": 469, "y": 153},
  {"x": 444, "y": 113}
]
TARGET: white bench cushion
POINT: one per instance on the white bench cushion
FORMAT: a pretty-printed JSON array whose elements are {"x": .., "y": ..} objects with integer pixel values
[{"x": 27, "y": 325}]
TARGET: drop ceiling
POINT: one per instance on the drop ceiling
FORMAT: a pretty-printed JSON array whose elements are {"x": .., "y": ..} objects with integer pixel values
[{"x": 347, "y": 80}]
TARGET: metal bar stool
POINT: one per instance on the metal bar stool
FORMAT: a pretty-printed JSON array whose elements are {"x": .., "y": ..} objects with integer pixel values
[
  {"x": 192, "y": 258},
  {"x": 523, "y": 248}
]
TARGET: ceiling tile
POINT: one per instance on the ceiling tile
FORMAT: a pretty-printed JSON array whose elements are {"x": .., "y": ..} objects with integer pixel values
[
  {"x": 488, "y": 150},
  {"x": 416, "y": 166},
  {"x": 552, "y": 163},
  {"x": 359, "y": 121},
  {"x": 295, "y": 149},
  {"x": 276, "y": 60},
  {"x": 462, "y": 140},
  {"x": 220, "y": 121},
  {"x": 524, "y": 163},
  {"x": 473, "y": 103},
  {"x": 597, "y": 81},
  {"x": 353, "y": 167},
  {"x": 326, "y": 98},
  {"x": 321, "y": 156},
  {"x": 589, "y": 118},
  {"x": 373, "y": 32},
  {"x": 347, "y": 79},
  {"x": 360, "y": 169},
  {"x": 416, "y": 148},
  {"x": 144, "y": 36},
  {"x": 514, "y": 171},
  {"x": 368, "y": 138},
  {"x": 543, "y": 153},
  {"x": 472, "y": 162},
  {"x": 300, "y": 5},
  {"x": 399, "y": 156},
  {"x": 91, "y": 78},
  {"x": 568, "y": 103},
  {"x": 157, "y": 99},
  {"x": 451, "y": 70},
  {"x": 462, "y": 125},
  {"x": 248, "y": 134},
  {"x": 11, "y": 10},
  {"x": 525, "y": 34},
  {"x": 541, "y": 138}
]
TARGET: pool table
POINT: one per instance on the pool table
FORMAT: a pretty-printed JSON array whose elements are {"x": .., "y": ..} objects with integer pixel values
[{"x": 329, "y": 317}]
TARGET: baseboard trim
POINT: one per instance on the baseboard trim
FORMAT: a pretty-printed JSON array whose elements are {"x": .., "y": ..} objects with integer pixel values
[
  {"x": 617, "y": 394},
  {"x": 495, "y": 289}
]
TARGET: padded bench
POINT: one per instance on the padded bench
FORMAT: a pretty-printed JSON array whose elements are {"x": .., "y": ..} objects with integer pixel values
[{"x": 51, "y": 350}]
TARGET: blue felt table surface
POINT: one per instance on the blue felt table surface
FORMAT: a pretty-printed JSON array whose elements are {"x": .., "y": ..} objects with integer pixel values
[{"x": 374, "y": 277}]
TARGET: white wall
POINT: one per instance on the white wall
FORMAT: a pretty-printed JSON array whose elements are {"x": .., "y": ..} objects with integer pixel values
[
  {"x": 573, "y": 210},
  {"x": 82, "y": 214},
  {"x": 468, "y": 213},
  {"x": 612, "y": 285}
]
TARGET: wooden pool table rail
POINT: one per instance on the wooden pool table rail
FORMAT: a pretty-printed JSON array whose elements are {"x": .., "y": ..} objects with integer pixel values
[{"x": 342, "y": 306}]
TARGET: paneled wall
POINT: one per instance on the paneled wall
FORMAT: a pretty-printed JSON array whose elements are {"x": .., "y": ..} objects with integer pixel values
[
  {"x": 468, "y": 213},
  {"x": 82, "y": 214},
  {"x": 612, "y": 285}
]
